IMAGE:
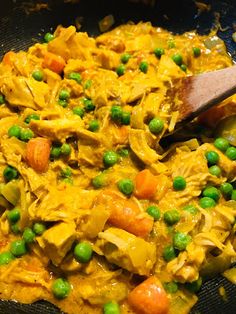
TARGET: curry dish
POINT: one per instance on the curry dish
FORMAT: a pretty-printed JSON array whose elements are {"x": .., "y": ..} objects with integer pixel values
[{"x": 96, "y": 217}]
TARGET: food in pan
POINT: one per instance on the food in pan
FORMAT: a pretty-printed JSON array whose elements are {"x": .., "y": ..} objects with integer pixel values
[{"x": 96, "y": 217}]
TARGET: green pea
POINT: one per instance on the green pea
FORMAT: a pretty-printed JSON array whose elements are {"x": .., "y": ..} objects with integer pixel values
[
  {"x": 215, "y": 171},
  {"x": 125, "y": 118},
  {"x": 66, "y": 172},
  {"x": 222, "y": 144},
  {"x": 126, "y": 186},
  {"x": 194, "y": 286},
  {"x": 183, "y": 67},
  {"x": 177, "y": 58},
  {"x": 78, "y": 111},
  {"x": 87, "y": 84},
  {"x": 55, "y": 152},
  {"x": 231, "y": 153},
  {"x": 38, "y": 75},
  {"x": 61, "y": 288},
  {"x": 171, "y": 44},
  {"x": 10, "y": 173},
  {"x": 64, "y": 94},
  {"x": 18, "y": 248},
  {"x": 32, "y": 116},
  {"x": 15, "y": 228},
  {"x": 48, "y": 37},
  {"x": 159, "y": 52},
  {"x": 196, "y": 52},
  {"x": 169, "y": 253},
  {"x": 28, "y": 235},
  {"x": 156, "y": 125},
  {"x": 120, "y": 70},
  {"x": 39, "y": 228},
  {"x": 65, "y": 149},
  {"x": 63, "y": 103},
  {"x": 13, "y": 215},
  {"x": 226, "y": 189},
  {"x": 125, "y": 58},
  {"x": 75, "y": 76},
  {"x": 191, "y": 209},
  {"x": 111, "y": 307},
  {"x": 181, "y": 240},
  {"x": 110, "y": 158},
  {"x": 154, "y": 211},
  {"x": 93, "y": 125},
  {"x": 233, "y": 195},
  {"x": 170, "y": 287},
  {"x": 68, "y": 181},
  {"x": 88, "y": 104},
  {"x": 123, "y": 152},
  {"x": 99, "y": 181},
  {"x": 26, "y": 135},
  {"x": 83, "y": 252},
  {"x": 179, "y": 183},
  {"x": 211, "y": 192},
  {"x": 171, "y": 217},
  {"x": 14, "y": 131},
  {"x": 207, "y": 202},
  {"x": 212, "y": 157},
  {"x": 6, "y": 258},
  {"x": 2, "y": 99},
  {"x": 143, "y": 66},
  {"x": 116, "y": 113}
]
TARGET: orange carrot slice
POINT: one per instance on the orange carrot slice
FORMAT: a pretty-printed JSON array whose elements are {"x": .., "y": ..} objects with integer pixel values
[
  {"x": 37, "y": 153},
  {"x": 53, "y": 62},
  {"x": 149, "y": 297},
  {"x": 145, "y": 184},
  {"x": 126, "y": 214}
]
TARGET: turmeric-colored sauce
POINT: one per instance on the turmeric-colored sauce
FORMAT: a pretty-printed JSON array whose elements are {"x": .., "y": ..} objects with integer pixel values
[{"x": 96, "y": 216}]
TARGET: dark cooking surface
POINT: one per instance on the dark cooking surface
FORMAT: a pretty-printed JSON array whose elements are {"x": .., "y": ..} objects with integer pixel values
[{"x": 19, "y": 30}]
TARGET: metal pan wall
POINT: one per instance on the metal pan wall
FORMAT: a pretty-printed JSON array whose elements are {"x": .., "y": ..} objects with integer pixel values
[{"x": 20, "y": 28}]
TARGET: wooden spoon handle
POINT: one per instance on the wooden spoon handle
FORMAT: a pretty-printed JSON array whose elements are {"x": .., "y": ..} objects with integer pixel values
[{"x": 203, "y": 91}]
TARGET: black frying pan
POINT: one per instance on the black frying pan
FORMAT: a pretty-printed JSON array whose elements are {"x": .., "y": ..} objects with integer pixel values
[{"x": 19, "y": 30}]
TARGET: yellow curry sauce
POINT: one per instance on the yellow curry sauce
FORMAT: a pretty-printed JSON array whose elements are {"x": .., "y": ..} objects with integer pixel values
[{"x": 80, "y": 163}]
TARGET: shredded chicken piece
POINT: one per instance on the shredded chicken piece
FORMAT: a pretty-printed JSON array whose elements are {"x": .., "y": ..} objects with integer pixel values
[{"x": 87, "y": 184}]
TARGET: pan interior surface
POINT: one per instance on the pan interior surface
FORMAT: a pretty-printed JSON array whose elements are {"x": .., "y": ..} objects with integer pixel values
[
  {"x": 21, "y": 27},
  {"x": 22, "y": 24}
]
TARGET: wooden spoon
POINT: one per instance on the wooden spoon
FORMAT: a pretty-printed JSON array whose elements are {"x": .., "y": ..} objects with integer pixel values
[{"x": 203, "y": 91}]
